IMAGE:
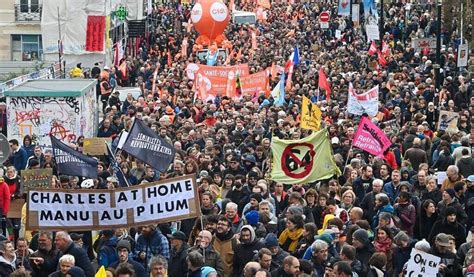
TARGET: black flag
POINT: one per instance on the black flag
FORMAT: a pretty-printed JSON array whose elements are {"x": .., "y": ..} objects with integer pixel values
[
  {"x": 71, "y": 162},
  {"x": 147, "y": 146}
]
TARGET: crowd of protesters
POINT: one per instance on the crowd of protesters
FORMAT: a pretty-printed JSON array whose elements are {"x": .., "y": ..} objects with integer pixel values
[{"x": 362, "y": 223}]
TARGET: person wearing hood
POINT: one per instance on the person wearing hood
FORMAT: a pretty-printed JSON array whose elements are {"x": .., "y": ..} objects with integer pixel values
[
  {"x": 364, "y": 249},
  {"x": 465, "y": 163},
  {"x": 382, "y": 204},
  {"x": 224, "y": 243},
  {"x": 448, "y": 267},
  {"x": 450, "y": 200},
  {"x": 401, "y": 253},
  {"x": 8, "y": 261},
  {"x": 449, "y": 225},
  {"x": 246, "y": 249},
  {"x": 212, "y": 258}
]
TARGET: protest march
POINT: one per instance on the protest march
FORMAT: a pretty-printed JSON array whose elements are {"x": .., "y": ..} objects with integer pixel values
[{"x": 263, "y": 138}]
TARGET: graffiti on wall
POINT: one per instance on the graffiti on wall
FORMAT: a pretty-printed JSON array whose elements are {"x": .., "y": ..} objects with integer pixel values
[{"x": 44, "y": 116}]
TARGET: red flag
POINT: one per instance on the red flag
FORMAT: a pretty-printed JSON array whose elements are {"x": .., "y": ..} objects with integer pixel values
[
  {"x": 372, "y": 49},
  {"x": 381, "y": 59},
  {"x": 323, "y": 83},
  {"x": 385, "y": 49}
]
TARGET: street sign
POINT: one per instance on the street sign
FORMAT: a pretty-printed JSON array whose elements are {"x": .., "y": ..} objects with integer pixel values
[{"x": 324, "y": 20}]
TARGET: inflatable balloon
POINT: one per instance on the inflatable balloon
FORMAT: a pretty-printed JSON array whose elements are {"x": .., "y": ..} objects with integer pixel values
[{"x": 210, "y": 18}]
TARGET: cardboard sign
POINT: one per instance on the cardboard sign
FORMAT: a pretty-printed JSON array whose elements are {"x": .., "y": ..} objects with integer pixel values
[
  {"x": 422, "y": 264},
  {"x": 36, "y": 178},
  {"x": 95, "y": 146},
  {"x": 448, "y": 121},
  {"x": 16, "y": 205},
  {"x": 158, "y": 202}
]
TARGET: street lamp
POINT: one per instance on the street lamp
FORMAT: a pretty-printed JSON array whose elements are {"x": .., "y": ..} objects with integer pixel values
[{"x": 438, "y": 46}]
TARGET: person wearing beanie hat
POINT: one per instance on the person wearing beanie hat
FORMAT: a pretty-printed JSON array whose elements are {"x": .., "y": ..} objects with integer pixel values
[
  {"x": 207, "y": 271},
  {"x": 246, "y": 249},
  {"x": 401, "y": 253},
  {"x": 364, "y": 249},
  {"x": 252, "y": 218},
  {"x": 450, "y": 200},
  {"x": 124, "y": 251},
  {"x": 449, "y": 225},
  {"x": 278, "y": 255},
  {"x": 423, "y": 245},
  {"x": 75, "y": 272}
]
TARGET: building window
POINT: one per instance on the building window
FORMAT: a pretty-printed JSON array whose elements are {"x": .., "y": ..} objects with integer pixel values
[
  {"x": 29, "y": 6},
  {"x": 27, "y": 48}
]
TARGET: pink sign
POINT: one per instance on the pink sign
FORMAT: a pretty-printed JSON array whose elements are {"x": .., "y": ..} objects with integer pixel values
[{"x": 370, "y": 138}]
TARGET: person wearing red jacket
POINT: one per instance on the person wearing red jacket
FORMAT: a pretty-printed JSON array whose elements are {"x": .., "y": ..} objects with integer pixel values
[{"x": 4, "y": 197}]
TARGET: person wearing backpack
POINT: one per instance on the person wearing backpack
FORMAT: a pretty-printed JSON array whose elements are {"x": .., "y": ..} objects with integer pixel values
[
  {"x": 406, "y": 212},
  {"x": 107, "y": 254}
]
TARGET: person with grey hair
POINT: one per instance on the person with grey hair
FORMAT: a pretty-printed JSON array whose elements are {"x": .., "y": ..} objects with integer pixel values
[
  {"x": 158, "y": 266},
  {"x": 382, "y": 204},
  {"x": 368, "y": 203},
  {"x": 8, "y": 260},
  {"x": 320, "y": 256},
  {"x": 66, "y": 262},
  {"x": 65, "y": 245},
  {"x": 195, "y": 263},
  {"x": 453, "y": 177}
]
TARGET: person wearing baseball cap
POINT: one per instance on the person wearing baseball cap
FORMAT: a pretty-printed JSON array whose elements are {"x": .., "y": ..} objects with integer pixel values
[
  {"x": 124, "y": 250},
  {"x": 441, "y": 248},
  {"x": 178, "y": 265}
]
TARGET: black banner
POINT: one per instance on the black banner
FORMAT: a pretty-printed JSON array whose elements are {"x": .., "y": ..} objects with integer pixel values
[
  {"x": 146, "y": 145},
  {"x": 71, "y": 162}
]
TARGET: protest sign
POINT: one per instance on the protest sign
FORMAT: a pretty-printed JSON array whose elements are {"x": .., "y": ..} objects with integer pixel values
[
  {"x": 310, "y": 115},
  {"x": 370, "y": 138},
  {"x": 448, "y": 121},
  {"x": 463, "y": 53},
  {"x": 16, "y": 206},
  {"x": 152, "y": 203},
  {"x": 255, "y": 83},
  {"x": 421, "y": 43},
  {"x": 95, "y": 146},
  {"x": 365, "y": 102},
  {"x": 36, "y": 178},
  {"x": 422, "y": 264}
]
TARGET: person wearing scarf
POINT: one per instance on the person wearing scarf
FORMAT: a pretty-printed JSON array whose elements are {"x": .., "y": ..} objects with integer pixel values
[
  {"x": 383, "y": 243},
  {"x": 289, "y": 238}
]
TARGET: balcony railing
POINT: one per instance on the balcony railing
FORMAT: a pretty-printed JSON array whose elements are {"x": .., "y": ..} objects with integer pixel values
[{"x": 28, "y": 12}]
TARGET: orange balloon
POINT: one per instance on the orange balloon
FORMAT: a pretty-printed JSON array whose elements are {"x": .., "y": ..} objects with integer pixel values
[{"x": 210, "y": 18}]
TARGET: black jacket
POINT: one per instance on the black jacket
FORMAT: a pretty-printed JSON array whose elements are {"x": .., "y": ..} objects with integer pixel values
[
  {"x": 449, "y": 259},
  {"x": 5, "y": 268},
  {"x": 82, "y": 260},
  {"x": 137, "y": 267},
  {"x": 243, "y": 253},
  {"x": 443, "y": 226},
  {"x": 178, "y": 266},
  {"x": 49, "y": 265}
]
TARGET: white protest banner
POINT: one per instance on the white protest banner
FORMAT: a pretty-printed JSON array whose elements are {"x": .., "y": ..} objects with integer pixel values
[
  {"x": 355, "y": 14},
  {"x": 372, "y": 32},
  {"x": 421, "y": 43},
  {"x": 164, "y": 201},
  {"x": 463, "y": 53},
  {"x": 422, "y": 264}
]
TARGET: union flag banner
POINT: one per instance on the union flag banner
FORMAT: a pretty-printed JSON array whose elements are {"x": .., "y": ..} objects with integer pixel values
[
  {"x": 95, "y": 34},
  {"x": 310, "y": 115},
  {"x": 303, "y": 161},
  {"x": 255, "y": 83}
]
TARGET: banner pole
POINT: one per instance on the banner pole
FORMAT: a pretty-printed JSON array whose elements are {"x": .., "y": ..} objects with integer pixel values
[{"x": 347, "y": 159}]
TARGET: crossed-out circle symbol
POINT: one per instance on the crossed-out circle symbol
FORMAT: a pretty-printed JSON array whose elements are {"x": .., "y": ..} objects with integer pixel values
[{"x": 291, "y": 164}]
